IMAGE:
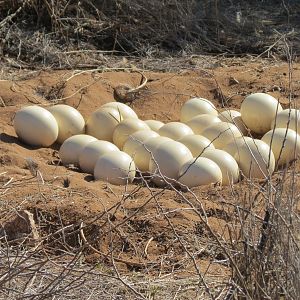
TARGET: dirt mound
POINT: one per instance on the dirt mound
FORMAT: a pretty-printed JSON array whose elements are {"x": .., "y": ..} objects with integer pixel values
[{"x": 139, "y": 228}]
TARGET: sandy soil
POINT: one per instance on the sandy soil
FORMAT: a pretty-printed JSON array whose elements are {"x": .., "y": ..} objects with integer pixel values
[{"x": 153, "y": 234}]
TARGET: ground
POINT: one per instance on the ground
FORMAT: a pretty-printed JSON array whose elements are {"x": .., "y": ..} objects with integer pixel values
[{"x": 137, "y": 228}]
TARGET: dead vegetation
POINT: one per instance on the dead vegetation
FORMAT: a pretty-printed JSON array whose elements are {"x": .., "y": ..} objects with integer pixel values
[
  {"x": 246, "y": 247},
  {"x": 69, "y": 34},
  {"x": 238, "y": 243}
]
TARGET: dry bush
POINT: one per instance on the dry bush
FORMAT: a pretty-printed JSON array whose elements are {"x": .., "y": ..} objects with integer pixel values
[
  {"x": 43, "y": 31},
  {"x": 258, "y": 248}
]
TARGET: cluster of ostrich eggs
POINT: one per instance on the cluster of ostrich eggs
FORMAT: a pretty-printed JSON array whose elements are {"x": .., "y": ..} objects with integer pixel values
[{"x": 207, "y": 146}]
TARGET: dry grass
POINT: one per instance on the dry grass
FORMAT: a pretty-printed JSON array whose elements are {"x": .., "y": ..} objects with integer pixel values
[
  {"x": 257, "y": 250},
  {"x": 63, "y": 34}
]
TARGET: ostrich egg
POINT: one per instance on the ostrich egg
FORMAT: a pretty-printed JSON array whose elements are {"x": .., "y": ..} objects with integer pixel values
[
  {"x": 36, "y": 126},
  {"x": 70, "y": 121},
  {"x": 220, "y": 134},
  {"x": 91, "y": 152},
  {"x": 70, "y": 149},
  {"x": 200, "y": 171},
  {"x": 143, "y": 153},
  {"x": 196, "y": 143},
  {"x": 126, "y": 111},
  {"x": 102, "y": 123},
  {"x": 196, "y": 106},
  {"x": 234, "y": 117},
  {"x": 168, "y": 158},
  {"x": 175, "y": 130},
  {"x": 285, "y": 144},
  {"x": 154, "y": 124},
  {"x": 282, "y": 118},
  {"x": 115, "y": 167},
  {"x": 258, "y": 111},
  {"x": 256, "y": 159},
  {"x": 136, "y": 139},
  {"x": 200, "y": 122},
  {"x": 125, "y": 128},
  {"x": 227, "y": 164},
  {"x": 233, "y": 147}
]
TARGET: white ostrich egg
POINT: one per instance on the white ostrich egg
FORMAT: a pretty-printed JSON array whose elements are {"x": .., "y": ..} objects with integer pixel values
[
  {"x": 227, "y": 164},
  {"x": 196, "y": 106},
  {"x": 285, "y": 144},
  {"x": 256, "y": 159},
  {"x": 220, "y": 134},
  {"x": 126, "y": 111},
  {"x": 283, "y": 117},
  {"x": 258, "y": 111},
  {"x": 70, "y": 149},
  {"x": 233, "y": 147},
  {"x": 136, "y": 139},
  {"x": 91, "y": 152},
  {"x": 197, "y": 144},
  {"x": 228, "y": 115},
  {"x": 125, "y": 128},
  {"x": 200, "y": 171},
  {"x": 116, "y": 167},
  {"x": 143, "y": 153},
  {"x": 234, "y": 117},
  {"x": 200, "y": 122},
  {"x": 102, "y": 123},
  {"x": 154, "y": 124},
  {"x": 36, "y": 126},
  {"x": 169, "y": 157},
  {"x": 175, "y": 130},
  {"x": 70, "y": 121}
]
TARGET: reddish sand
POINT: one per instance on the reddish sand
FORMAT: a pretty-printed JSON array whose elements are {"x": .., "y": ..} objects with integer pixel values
[{"x": 144, "y": 232}]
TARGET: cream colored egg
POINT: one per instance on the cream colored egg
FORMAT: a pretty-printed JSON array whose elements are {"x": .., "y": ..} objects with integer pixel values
[
  {"x": 143, "y": 153},
  {"x": 258, "y": 111},
  {"x": 197, "y": 144},
  {"x": 154, "y": 125},
  {"x": 201, "y": 122},
  {"x": 255, "y": 159},
  {"x": 283, "y": 117},
  {"x": 175, "y": 130},
  {"x": 168, "y": 158},
  {"x": 126, "y": 111},
  {"x": 102, "y": 123},
  {"x": 70, "y": 149},
  {"x": 221, "y": 134},
  {"x": 234, "y": 117},
  {"x": 125, "y": 128},
  {"x": 116, "y": 167},
  {"x": 136, "y": 139},
  {"x": 227, "y": 164},
  {"x": 233, "y": 147},
  {"x": 201, "y": 171},
  {"x": 91, "y": 152},
  {"x": 228, "y": 115},
  {"x": 196, "y": 106},
  {"x": 285, "y": 144},
  {"x": 36, "y": 126},
  {"x": 70, "y": 121}
]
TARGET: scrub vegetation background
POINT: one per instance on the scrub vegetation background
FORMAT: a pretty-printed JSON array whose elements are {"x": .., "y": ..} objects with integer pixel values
[
  {"x": 44, "y": 31},
  {"x": 242, "y": 242}
]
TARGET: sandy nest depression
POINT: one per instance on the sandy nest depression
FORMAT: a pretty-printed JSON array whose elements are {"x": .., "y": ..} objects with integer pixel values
[{"x": 136, "y": 228}]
